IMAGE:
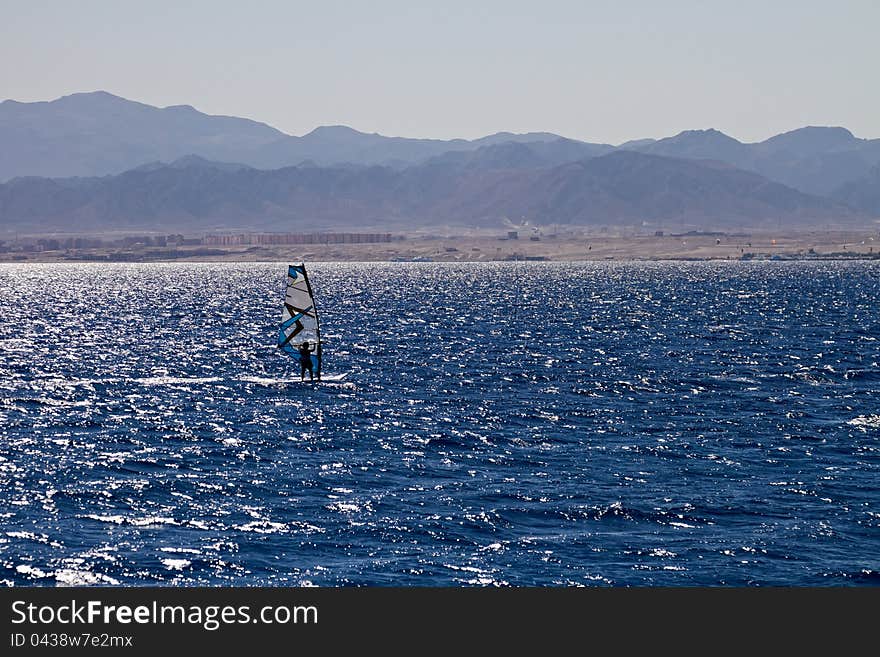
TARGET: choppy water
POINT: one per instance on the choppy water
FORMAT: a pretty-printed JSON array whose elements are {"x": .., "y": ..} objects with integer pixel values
[{"x": 506, "y": 424}]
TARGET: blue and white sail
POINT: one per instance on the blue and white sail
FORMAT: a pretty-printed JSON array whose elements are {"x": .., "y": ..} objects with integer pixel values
[{"x": 299, "y": 320}]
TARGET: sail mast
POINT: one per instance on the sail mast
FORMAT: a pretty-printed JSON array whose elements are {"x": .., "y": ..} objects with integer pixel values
[{"x": 319, "y": 349}]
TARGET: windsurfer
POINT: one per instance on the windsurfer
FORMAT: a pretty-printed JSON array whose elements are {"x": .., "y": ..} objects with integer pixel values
[{"x": 305, "y": 361}]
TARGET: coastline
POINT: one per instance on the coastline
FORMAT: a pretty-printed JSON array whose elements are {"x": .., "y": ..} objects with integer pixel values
[{"x": 482, "y": 247}]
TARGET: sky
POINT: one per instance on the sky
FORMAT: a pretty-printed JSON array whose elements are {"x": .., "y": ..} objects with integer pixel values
[{"x": 603, "y": 72}]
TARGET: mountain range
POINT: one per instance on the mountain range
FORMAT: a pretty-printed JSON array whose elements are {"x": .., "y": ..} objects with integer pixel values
[
  {"x": 97, "y": 133},
  {"x": 95, "y": 162}
]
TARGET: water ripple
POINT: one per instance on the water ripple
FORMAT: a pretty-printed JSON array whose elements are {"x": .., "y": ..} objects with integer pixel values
[{"x": 501, "y": 424}]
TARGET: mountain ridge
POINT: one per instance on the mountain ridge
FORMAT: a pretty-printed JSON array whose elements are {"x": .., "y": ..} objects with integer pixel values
[
  {"x": 116, "y": 162},
  {"x": 99, "y": 133},
  {"x": 617, "y": 188}
]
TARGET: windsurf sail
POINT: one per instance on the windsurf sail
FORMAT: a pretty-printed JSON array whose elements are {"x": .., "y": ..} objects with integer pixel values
[{"x": 299, "y": 320}]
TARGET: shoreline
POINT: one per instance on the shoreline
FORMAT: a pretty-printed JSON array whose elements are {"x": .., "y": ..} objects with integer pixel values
[{"x": 826, "y": 245}]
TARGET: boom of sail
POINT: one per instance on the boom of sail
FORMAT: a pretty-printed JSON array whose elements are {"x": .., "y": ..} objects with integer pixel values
[{"x": 299, "y": 319}]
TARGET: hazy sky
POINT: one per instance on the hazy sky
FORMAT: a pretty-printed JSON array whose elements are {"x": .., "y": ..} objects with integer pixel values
[{"x": 597, "y": 71}]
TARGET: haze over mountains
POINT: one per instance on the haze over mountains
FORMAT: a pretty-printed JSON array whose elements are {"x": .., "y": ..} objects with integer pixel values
[
  {"x": 93, "y": 162},
  {"x": 95, "y": 134}
]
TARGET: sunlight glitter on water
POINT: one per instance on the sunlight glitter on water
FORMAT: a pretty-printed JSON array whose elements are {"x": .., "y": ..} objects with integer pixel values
[{"x": 500, "y": 424}]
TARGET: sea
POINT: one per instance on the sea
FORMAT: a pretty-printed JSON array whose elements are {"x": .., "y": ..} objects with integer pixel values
[{"x": 605, "y": 424}]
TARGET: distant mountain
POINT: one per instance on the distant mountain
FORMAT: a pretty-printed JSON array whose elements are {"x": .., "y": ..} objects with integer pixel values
[
  {"x": 93, "y": 134},
  {"x": 188, "y": 161},
  {"x": 862, "y": 194},
  {"x": 619, "y": 188},
  {"x": 635, "y": 144},
  {"x": 812, "y": 140},
  {"x": 700, "y": 144},
  {"x": 815, "y": 160},
  {"x": 334, "y": 145},
  {"x": 329, "y": 145},
  {"x": 197, "y": 198},
  {"x": 519, "y": 155},
  {"x": 629, "y": 188},
  {"x": 99, "y": 134},
  {"x": 506, "y": 137}
]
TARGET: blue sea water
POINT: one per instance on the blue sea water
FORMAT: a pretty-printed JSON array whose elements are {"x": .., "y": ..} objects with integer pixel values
[{"x": 599, "y": 424}]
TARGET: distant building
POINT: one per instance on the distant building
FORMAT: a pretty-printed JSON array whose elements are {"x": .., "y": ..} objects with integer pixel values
[
  {"x": 82, "y": 243},
  {"x": 48, "y": 244},
  {"x": 512, "y": 235},
  {"x": 276, "y": 239}
]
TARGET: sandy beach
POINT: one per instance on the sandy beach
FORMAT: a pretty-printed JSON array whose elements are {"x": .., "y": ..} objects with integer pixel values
[{"x": 495, "y": 246}]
